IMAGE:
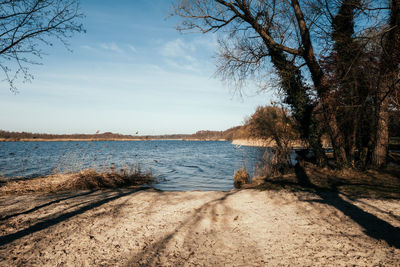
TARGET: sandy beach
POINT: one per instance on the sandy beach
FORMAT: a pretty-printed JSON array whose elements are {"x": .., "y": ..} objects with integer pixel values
[{"x": 132, "y": 227}]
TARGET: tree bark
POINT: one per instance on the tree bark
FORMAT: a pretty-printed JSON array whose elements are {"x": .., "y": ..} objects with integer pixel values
[
  {"x": 322, "y": 87},
  {"x": 382, "y": 132},
  {"x": 389, "y": 69},
  {"x": 347, "y": 78},
  {"x": 291, "y": 82}
]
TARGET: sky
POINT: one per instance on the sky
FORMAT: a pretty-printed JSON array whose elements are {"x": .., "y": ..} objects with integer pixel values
[{"x": 131, "y": 71}]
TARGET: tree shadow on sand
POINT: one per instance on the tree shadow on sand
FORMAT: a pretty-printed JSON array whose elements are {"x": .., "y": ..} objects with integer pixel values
[
  {"x": 47, "y": 204},
  {"x": 100, "y": 198},
  {"x": 149, "y": 254},
  {"x": 330, "y": 188},
  {"x": 372, "y": 225},
  {"x": 181, "y": 245}
]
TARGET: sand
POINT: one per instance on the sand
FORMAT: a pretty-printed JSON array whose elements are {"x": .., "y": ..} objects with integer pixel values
[{"x": 238, "y": 228}]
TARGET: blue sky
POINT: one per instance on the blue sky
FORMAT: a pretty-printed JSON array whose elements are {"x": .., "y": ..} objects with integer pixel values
[{"x": 132, "y": 71}]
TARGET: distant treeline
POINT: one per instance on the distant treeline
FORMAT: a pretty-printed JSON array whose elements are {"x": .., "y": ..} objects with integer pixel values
[
  {"x": 28, "y": 135},
  {"x": 230, "y": 134},
  {"x": 237, "y": 132}
]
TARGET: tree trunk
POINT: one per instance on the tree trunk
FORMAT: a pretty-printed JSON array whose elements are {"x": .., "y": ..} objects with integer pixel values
[
  {"x": 297, "y": 98},
  {"x": 382, "y": 133},
  {"x": 389, "y": 69},
  {"x": 347, "y": 80},
  {"x": 322, "y": 87},
  {"x": 337, "y": 138},
  {"x": 296, "y": 93}
]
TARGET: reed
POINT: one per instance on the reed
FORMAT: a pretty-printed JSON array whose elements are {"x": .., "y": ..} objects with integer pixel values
[{"x": 88, "y": 179}]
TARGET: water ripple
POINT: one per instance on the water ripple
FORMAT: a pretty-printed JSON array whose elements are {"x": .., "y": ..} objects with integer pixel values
[{"x": 177, "y": 165}]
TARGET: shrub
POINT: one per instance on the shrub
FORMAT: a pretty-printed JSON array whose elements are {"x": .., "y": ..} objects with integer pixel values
[
  {"x": 240, "y": 178},
  {"x": 276, "y": 124}
]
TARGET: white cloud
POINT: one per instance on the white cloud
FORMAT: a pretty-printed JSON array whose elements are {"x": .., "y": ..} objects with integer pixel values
[
  {"x": 189, "y": 67},
  {"x": 111, "y": 47},
  {"x": 183, "y": 51},
  {"x": 209, "y": 42},
  {"x": 132, "y": 48},
  {"x": 88, "y": 47},
  {"x": 177, "y": 48},
  {"x": 180, "y": 54}
]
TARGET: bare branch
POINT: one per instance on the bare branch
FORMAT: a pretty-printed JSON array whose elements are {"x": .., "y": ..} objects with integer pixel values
[{"x": 24, "y": 24}]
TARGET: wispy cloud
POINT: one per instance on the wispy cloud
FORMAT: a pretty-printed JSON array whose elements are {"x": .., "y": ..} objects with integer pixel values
[
  {"x": 177, "y": 48},
  {"x": 111, "y": 47},
  {"x": 209, "y": 42},
  {"x": 180, "y": 55},
  {"x": 187, "y": 52},
  {"x": 178, "y": 65},
  {"x": 88, "y": 47},
  {"x": 132, "y": 48}
]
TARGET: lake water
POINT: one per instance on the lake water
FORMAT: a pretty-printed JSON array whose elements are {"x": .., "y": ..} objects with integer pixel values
[{"x": 178, "y": 165}]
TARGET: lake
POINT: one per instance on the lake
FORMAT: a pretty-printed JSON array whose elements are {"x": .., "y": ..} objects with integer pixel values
[{"x": 178, "y": 165}]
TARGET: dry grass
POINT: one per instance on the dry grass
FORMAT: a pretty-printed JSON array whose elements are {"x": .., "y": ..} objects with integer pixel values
[
  {"x": 85, "y": 180},
  {"x": 240, "y": 178},
  {"x": 370, "y": 184}
]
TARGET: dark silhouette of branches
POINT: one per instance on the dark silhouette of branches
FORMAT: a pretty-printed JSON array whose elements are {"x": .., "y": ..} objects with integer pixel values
[
  {"x": 26, "y": 26},
  {"x": 334, "y": 73}
]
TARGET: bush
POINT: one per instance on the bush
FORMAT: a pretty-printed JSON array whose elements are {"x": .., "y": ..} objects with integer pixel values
[
  {"x": 240, "y": 178},
  {"x": 276, "y": 124}
]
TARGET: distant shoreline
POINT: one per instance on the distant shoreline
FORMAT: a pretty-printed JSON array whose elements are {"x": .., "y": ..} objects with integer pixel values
[
  {"x": 99, "y": 139},
  {"x": 6, "y": 136},
  {"x": 296, "y": 144},
  {"x": 236, "y": 142}
]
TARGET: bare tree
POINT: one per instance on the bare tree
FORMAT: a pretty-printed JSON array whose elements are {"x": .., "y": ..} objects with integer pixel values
[
  {"x": 26, "y": 26},
  {"x": 388, "y": 83},
  {"x": 283, "y": 33},
  {"x": 274, "y": 123},
  {"x": 296, "y": 37}
]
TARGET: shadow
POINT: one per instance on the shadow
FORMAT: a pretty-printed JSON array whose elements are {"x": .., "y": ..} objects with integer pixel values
[
  {"x": 372, "y": 225},
  {"x": 302, "y": 177},
  {"x": 393, "y": 170},
  {"x": 44, "y": 205},
  {"x": 150, "y": 252},
  {"x": 390, "y": 214},
  {"x": 6, "y": 239},
  {"x": 370, "y": 184}
]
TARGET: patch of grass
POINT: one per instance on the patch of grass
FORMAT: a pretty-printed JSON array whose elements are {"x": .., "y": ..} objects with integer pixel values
[{"x": 85, "y": 180}]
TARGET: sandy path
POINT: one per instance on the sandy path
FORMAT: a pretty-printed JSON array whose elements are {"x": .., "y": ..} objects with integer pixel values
[{"x": 237, "y": 228}]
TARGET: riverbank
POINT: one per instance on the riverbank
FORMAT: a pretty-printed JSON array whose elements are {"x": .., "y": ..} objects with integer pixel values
[
  {"x": 237, "y": 228},
  {"x": 295, "y": 144},
  {"x": 313, "y": 216}
]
